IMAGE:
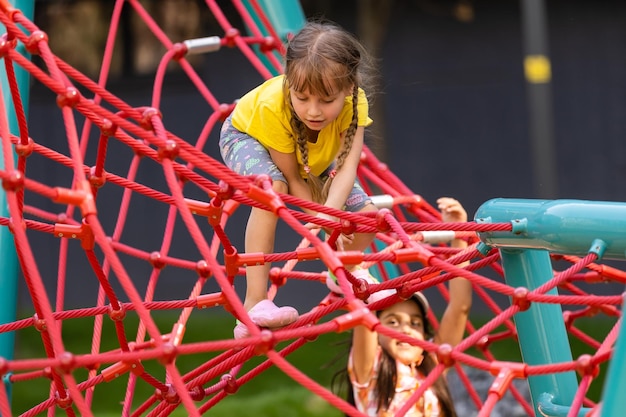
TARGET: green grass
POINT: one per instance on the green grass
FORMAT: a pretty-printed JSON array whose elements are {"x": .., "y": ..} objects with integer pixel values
[
  {"x": 272, "y": 393},
  {"x": 280, "y": 402},
  {"x": 271, "y": 386}
]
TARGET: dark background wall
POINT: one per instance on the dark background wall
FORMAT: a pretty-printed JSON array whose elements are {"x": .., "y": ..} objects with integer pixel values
[{"x": 455, "y": 108}]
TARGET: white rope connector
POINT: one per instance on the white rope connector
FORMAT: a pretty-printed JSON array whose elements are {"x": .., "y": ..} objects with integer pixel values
[
  {"x": 438, "y": 236},
  {"x": 203, "y": 45},
  {"x": 382, "y": 201}
]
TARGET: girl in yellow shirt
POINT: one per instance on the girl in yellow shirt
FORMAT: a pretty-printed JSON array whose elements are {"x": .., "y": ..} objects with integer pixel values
[{"x": 305, "y": 130}]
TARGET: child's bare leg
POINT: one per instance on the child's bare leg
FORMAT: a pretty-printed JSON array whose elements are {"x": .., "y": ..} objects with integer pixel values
[
  {"x": 361, "y": 240},
  {"x": 260, "y": 237}
]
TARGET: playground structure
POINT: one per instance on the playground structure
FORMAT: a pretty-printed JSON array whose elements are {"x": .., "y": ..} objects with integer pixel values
[{"x": 519, "y": 241}]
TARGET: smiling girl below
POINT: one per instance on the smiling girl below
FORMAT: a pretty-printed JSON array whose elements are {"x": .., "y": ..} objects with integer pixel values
[{"x": 383, "y": 372}]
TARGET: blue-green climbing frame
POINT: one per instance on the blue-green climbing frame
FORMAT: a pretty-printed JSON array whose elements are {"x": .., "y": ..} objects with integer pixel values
[
  {"x": 541, "y": 227},
  {"x": 8, "y": 259}
]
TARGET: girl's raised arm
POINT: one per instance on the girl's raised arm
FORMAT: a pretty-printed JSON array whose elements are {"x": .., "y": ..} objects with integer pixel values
[
  {"x": 454, "y": 319},
  {"x": 364, "y": 348}
]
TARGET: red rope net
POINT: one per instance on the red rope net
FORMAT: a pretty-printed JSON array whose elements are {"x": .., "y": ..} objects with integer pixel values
[{"x": 139, "y": 352}]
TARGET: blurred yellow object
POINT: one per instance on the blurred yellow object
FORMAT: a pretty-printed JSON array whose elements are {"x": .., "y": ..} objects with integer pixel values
[{"x": 537, "y": 69}]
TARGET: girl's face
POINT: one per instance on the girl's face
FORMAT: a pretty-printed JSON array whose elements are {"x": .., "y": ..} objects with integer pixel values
[
  {"x": 404, "y": 317},
  {"x": 315, "y": 111}
]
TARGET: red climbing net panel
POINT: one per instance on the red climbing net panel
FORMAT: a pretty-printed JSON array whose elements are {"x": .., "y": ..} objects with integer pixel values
[{"x": 201, "y": 196}]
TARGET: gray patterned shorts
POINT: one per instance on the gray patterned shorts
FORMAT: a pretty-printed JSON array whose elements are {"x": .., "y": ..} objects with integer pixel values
[{"x": 246, "y": 156}]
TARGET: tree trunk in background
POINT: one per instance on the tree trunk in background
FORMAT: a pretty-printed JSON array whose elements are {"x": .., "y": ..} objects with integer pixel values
[
  {"x": 78, "y": 31},
  {"x": 180, "y": 20},
  {"x": 372, "y": 22}
]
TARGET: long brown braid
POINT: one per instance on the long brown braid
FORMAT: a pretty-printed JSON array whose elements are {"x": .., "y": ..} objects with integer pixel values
[
  {"x": 347, "y": 143},
  {"x": 323, "y": 59}
]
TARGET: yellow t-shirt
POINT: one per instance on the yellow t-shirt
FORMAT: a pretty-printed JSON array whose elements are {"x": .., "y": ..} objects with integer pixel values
[{"x": 263, "y": 114}]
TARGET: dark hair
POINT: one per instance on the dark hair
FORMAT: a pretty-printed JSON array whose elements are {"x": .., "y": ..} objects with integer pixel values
[
  {"x": 387, "y": 376},
  {"x": 323, "y": 58}
]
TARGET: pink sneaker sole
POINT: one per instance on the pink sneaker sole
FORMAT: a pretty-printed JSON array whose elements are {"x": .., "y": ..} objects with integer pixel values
[
  {"x": 333, "y": 285},
  {"x": 266, "y": 314},
  {"x": 240, "y": 331}
]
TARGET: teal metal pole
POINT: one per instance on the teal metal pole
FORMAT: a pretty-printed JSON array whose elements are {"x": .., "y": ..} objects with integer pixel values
[
  {"x": 540, "y": 108},
  {"x": 286, "y": 16},
  {"x": 615, "y": 385},
  {"x": 541, "y": 330},
  {"x": 8, "y": 259},
  {"x": 549, "y": 409},
  {"x": 559, "y": 226}
]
